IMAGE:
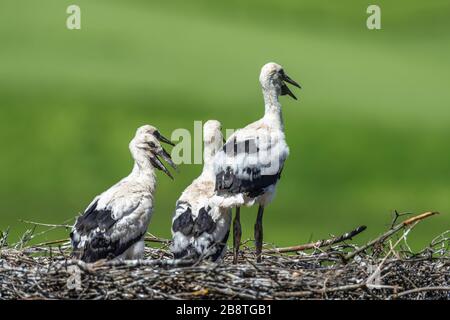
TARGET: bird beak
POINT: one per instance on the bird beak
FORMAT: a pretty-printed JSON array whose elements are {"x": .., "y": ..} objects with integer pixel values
[
  {"x": 158, "y": 163},
  {"x": 285, "y": 89},
  {"x": 289, "y": 80},
  {"x": 161, "y": 138},
  {"x": 166, "y": 156}
]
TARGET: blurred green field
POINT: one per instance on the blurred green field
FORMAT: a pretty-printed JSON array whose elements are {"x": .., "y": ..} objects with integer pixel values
[{"x": 369, "y": 134}]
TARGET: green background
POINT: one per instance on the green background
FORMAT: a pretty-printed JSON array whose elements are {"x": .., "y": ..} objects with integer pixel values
[{"x": 369, "y": 134}]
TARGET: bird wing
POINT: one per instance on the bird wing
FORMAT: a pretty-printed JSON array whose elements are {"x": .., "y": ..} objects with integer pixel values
[
  {"x": 197, "y": 228},
  {"x": 183, "y": 220},
  {"x": 250, "y": 161},
  {"x": 211, "y": 231},
  {"x": 107, "y": 228}
]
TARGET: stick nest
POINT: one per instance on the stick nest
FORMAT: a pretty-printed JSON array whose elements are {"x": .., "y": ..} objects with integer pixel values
[{"x": 382, "y": 269}]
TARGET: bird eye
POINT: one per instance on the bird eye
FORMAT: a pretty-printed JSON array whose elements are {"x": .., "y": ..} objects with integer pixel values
[{"x": 152, "y": 144}]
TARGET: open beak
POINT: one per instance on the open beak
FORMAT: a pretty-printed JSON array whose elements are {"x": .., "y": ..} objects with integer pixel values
[
  {"x": 161, "y": 138},
  {"x": 166, "y": 156},
  {"x": 285, "y": 89},
  {"x": 156, "y": 162}
]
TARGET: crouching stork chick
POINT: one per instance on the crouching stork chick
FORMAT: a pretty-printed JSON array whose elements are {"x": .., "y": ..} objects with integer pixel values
[
  {"x": 115, "y": 223},
  {"x": 200, "y": 231},
  {"x": 249, "y": 165}
]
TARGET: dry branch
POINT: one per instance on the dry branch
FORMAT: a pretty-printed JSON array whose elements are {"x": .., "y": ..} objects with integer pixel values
[
  {"x": 390, "y": 232},
  {"x": 417, "y": 290},
  {"x": 156, "y": 239},
  {"x": 318, "y": 244},
  {"x": 66, "y": 226}
]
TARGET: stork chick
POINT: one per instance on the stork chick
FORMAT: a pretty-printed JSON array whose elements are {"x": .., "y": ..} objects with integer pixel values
[
  {"x": 115, "y": 223},
  {"x": 198, "y": 229},
  {"x": 249, "y": 165}
]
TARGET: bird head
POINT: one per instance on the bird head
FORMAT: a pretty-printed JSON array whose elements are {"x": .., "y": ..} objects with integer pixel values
[
  {"x": 273, "y": 77},
  {"x": 147, "y": 141}
]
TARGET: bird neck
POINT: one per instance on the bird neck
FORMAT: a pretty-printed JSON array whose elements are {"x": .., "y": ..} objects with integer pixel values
[
  {"x": 208, "y": 170},
  {"x": 143, "y": 170},
  {"x": 272, "y": 114},
  {"x": 208, "y": 161}
]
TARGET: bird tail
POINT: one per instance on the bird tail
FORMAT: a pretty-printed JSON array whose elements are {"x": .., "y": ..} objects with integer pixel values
[
  {"x": 202, "y": 249},
  {"x": 182, "y": 248},
  {"x": 216, "y": 250},
  {"x": 206, "y": 237}
]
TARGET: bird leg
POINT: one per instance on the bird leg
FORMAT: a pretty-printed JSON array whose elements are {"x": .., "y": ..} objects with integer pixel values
[
  {"x": 259, "y": 233},
  {"x": 237, "y": 232}
]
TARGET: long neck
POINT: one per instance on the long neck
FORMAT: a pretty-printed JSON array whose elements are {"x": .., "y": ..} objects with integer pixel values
[
  {"x": 143, "y": 171},
  {"x": 208, "y": 160},
  {"x": 272, "y": 107}
]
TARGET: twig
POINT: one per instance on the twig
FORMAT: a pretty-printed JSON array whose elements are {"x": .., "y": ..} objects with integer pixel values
[
  {"x": 46, "y": 224},
  {"x": 148, "y": 262},
  {"x": 404, "y": 293},
  {"x": 390, "y": 232},
  {"x": 292, "y": 294},
  {"x": 48, "y": 243},
  {"x": 318, "y": 244},
  {"x": 341, "y": 288},
  {"x": 377, "y": 271},
  {"x": 398, "y": 215},
  {"x": 156, "y": 239},
  {"x": 419, "y": 217}
]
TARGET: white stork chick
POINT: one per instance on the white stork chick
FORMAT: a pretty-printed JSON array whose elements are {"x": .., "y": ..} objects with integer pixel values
[
  {"x": 249, "y": 165},
  {"x": 198, "y": 229},
  {"x": 115, "y": 223}
]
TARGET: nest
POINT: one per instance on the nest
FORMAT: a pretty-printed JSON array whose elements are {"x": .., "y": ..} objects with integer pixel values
[{"x": 384, "y": 268}]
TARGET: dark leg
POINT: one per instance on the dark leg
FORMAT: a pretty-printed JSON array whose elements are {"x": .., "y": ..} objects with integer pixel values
[
  {"x": 259, "y": 233},
  {"x": 237, "y": 232}
]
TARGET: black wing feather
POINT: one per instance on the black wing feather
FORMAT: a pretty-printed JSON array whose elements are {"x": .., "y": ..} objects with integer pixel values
[
  {"x": 102, "y": 247},
  {"x": 228, "y": 182},
  {"x": 190, "y": 227},
  {"x": 203, "y": 223},
  {"x": 96, "y": 225},
  {"x": 250, "y": 180},
  {"x": 94, "y": 218},
  {"x": 184, "y": 222}
]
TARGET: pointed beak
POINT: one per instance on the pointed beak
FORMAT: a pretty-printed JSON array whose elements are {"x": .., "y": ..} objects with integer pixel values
[
  {"x": 285, "y": 89},
  {"x": 161, "y": 138},
  {"x": 157, "y": 163},
  {"x": 166, "y": 156},
  {"x": 289, "y": 80}
]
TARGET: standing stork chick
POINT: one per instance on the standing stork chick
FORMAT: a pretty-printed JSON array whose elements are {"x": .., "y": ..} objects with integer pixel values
[
  {"x": 249, "y": 165},
  {"x": 198, "y": 229},
  {"x": 115, "y": 223}
]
